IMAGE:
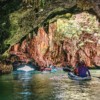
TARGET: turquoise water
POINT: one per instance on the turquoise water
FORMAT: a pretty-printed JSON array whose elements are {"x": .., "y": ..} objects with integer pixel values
[{"x": 48, "y": 86}]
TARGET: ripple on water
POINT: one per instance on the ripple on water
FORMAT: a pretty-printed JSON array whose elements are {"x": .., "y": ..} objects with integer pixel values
[
  {"x": 50, "y": 86},
  {"x": 75, "y": 90}
]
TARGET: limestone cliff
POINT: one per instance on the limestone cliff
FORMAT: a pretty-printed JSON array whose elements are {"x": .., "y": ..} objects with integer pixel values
[
  {"x": 70, "y": 38},
  {"x": 61, "y": 32}
]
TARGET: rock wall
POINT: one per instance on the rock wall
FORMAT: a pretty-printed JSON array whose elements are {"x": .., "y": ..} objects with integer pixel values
[
  {"x": 44, "y": 51},
  {"x": 66, "y": 42},
  {"x": 22, "y": 18}
]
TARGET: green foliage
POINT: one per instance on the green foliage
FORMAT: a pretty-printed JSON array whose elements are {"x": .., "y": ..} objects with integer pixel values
[
  {"x": 67, "y": 27},
  {"x": 6, "y": 8},
  {"x": 42, "y": 3},
  {"x": 84, "y": 4},
  {"x": 36, "y": 4},
  {"x": 77, "y": 24},
  {"x": 19, "y": 26}
]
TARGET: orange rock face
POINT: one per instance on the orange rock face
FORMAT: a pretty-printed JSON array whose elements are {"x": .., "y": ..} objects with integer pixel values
[
  {"x": 45, "y": 51},
  {"x": 38, "y": 47},
  {"x": 15, "y": 47}
]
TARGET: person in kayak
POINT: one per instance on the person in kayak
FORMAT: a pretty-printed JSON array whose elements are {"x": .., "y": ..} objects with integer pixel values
[{"x": 81, "y": 70}]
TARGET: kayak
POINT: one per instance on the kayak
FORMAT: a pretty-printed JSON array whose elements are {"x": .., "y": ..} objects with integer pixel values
[
  {"x": 72, "y": 76},
  {"x": 67, "y": 69},
  {"x": 53, "y": 70}
]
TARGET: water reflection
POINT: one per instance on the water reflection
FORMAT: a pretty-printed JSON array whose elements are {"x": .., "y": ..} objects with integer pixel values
[
  {"x": 26, "y": 68},
  {"x": 31, "y": 86},
  {"x": 38, "y": 86},
  {"x": 22, "y": 86}
]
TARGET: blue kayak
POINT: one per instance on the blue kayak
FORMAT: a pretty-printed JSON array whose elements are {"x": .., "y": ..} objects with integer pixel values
[
  {"x": 72, "y": 76},
  {"x": 53, "y": 70}
]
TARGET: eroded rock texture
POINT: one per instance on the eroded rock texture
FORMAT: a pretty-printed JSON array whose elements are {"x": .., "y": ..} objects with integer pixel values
[{"x": 66, "y": 42}]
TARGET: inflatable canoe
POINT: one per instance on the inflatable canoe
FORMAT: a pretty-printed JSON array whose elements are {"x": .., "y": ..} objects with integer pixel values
[
  {"x": 75, "y": 77},
  {"x": 67, "y": 69}
]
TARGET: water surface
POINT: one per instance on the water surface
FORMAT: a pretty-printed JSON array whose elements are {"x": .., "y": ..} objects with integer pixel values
[{"x": 49, "y": 86}]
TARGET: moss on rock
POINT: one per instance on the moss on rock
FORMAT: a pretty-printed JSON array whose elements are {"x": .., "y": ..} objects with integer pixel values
[{"x": 20, "y": 21}]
